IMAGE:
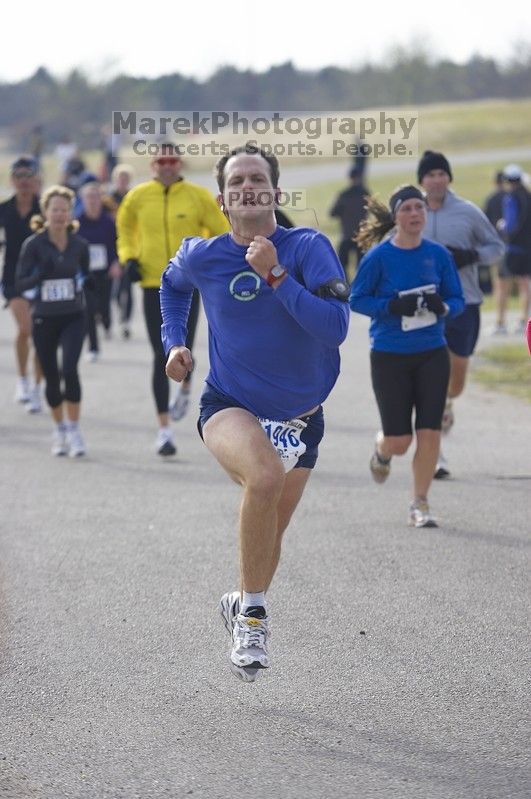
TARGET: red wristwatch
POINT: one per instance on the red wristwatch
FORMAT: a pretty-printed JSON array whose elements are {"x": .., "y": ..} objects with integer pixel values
[{"x": 275, "y": 273}]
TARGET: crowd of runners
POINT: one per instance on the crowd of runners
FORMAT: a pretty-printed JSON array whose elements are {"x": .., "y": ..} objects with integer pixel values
[{"x": 278, "y": 302}]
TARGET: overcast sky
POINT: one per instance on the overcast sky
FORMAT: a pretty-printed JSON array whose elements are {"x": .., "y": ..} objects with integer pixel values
[{"x": 106, "y": 38}]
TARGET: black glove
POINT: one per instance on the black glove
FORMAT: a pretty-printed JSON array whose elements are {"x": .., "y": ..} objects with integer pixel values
[
  {"x": 434, "y": 303},
  {"x": 403, "y": 306},
  {"x": 133, "y": 270},
  {"x": 463, "y": 257}
]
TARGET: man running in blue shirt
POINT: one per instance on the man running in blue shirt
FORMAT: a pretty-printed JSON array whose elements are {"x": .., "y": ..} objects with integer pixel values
[{"x": 276, "y": 304}]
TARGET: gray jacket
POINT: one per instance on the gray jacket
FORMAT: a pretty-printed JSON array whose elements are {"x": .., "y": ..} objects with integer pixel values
[{"x": 460, "y": 223}]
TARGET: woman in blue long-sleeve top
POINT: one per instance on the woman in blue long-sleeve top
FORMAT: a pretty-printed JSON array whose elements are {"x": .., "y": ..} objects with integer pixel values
[{"x": 407, "y": 285}]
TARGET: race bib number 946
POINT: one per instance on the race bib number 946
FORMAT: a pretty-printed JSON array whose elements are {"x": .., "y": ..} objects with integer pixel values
[{"x": 286, "y": 439}]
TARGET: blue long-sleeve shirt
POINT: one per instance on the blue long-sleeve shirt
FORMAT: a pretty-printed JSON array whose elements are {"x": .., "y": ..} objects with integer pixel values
[
  {"x": 386, "y": 270},
  {"x": 274, "y": 350}
]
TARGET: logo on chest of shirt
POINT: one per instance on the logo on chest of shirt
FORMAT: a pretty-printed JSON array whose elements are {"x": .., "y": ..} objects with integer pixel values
[{"x": 245, "y": 286}]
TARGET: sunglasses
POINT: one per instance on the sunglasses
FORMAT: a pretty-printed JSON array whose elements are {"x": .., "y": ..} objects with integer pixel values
[
  {"x": 19, "y": 174},
  {"x": 167, "y": 161}
]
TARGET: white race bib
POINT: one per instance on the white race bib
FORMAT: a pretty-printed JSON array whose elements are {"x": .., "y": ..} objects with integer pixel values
[
  {"x": 57, "y": 290},
  {"x": 286, "y": 439},
  {"x": 422, "y": 317},
  {"x": 97, "y": 257}
]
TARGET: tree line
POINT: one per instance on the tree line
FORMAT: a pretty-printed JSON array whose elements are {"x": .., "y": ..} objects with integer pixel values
[{"x": 77, "y": 107}]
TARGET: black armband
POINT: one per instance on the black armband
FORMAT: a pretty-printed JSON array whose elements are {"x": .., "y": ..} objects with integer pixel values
[{"x": 336, "y": 289}]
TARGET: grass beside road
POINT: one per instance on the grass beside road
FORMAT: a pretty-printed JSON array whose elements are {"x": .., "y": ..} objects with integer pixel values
[
  {"x": 505, "y": 367},
  {"x": 449, "y": 127}
]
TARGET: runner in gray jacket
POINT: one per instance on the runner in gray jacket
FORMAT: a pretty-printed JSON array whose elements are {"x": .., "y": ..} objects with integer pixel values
[{"x": 465, "y": 230}]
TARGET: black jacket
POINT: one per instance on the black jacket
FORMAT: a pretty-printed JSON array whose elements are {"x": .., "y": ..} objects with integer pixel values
[
  {"x": 16, "y": 231},
  {"x": 56, "y": 277}
]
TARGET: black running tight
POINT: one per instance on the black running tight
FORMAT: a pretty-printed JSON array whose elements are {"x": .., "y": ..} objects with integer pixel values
[
  {"x": 153, "y": 319},
  {"x": 65, "y": 332}
]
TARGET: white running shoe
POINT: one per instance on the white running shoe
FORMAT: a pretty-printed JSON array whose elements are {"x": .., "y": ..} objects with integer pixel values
[
  {"x": 76, "y": 445},
  {"x": 441, "y": 470},
  {"x": 92, "y": 356},
  {"x": 448, "y": 418},
  {"x": 59, "y": 442},
  {"x": 22, "y": 391},
  {"x": 419, "y": 514},
  {"x": 500, "y": 330},
  {"x": 179, "y": 405},
  {"x": 165, "y": 445},
  {"x": 229, "y": 608},
  {"x": 249, "y": 642},
  {"x": 34, "y": 405}
]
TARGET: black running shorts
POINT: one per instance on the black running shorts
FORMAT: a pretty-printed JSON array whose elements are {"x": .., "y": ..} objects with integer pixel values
[{"x": 404, "y": 383}]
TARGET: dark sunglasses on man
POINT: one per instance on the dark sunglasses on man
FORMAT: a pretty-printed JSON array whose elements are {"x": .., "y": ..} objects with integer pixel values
[{"x": 20, "y": 174}]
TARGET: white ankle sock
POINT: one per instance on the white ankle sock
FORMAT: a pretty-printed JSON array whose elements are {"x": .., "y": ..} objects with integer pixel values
[{"x": 250, "y": 600}]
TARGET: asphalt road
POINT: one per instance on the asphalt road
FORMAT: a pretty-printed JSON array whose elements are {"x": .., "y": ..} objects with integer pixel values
[{"x": 400, "y": 656}]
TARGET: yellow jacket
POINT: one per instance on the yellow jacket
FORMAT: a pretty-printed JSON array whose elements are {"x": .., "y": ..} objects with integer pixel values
[{"x": 152, "y": 221}]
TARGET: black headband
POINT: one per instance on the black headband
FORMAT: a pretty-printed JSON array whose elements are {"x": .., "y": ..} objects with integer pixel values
[{"x": 403, "y": 194}]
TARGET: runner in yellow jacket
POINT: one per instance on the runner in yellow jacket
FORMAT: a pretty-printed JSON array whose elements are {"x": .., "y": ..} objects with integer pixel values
[{"x": 152, "y": 221}]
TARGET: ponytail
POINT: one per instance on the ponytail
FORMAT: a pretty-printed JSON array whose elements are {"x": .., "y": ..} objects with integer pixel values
[{"x": 376, "y": 226}]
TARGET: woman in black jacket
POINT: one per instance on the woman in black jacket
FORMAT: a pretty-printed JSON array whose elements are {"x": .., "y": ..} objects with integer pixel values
[{"x": 52, "y": 269}]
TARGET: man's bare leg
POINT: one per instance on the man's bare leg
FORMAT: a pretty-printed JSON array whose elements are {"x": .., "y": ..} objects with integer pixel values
[
  {"x": 239, "y": 444},
  {"x": 293, "y": 490}
]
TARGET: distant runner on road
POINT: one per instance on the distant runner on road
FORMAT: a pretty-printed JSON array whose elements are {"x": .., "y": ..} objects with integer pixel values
[
  {"x": 464, "y": 229},
  {"x": 408, "y": 285},
  {"x": 54, "y": 266},
  {"x": 152, "y": 220}
]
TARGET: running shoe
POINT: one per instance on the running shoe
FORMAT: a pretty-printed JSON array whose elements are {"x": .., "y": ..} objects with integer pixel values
[
  {"x": 22, "y": 391},
  {"x": 76, "y": 445},
  {"x": 447, "y": 418},
  {"x": 179, "y": 405},
  {"x": 249, "y": 640},
  {"x": 229, "y": 607},
  {"x": 441, "y": 470},
  {"x": 380, "y": 467},
  {"x": 419, "y": 514},
  {"x": 34, "y": 404},
  {"x": 59, "y": 442},
  {"x": 500, "y": 330},
  {"x": 92, "y": 356},
  {"x": 165, "y": 445}
]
